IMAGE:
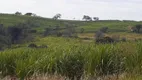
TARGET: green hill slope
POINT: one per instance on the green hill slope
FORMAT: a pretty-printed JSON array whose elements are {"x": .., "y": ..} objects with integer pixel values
[{"x": 114, "y": 26}]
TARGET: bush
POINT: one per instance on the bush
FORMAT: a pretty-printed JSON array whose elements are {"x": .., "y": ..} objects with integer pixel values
[
  {"x": 99, "y": 35},
  {"x": 70, "y": 30},
  {"x": 15, "y": 34},
  {"x": 116, "y": 38},
  {"x": 18, "y": 13},
  {"x": 43, "y": 46},
  {"x": 29, "y": 14},
  {"x": 123, "y": 39},
  {"x": 32, "y": 31},
  {"x": 32, "y": 46},
  {"x": 2, "y": 30},
  {"x": 104, "y": 29},
  {"x": 104, "y": 40},
  {"x": 82, "y": 30},
  {"x": 138, "y": 27}
]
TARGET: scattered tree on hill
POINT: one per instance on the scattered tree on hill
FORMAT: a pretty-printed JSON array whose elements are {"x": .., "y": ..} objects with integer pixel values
[
  {"x": 87, "y": 18},
  {"x": 18, "y": 13},
  {"x": 29, "y": 14},
  {"x": 96, "y": 18},
  {"x": 32, "y": 45},
  {"x": 57, "y": 16}
]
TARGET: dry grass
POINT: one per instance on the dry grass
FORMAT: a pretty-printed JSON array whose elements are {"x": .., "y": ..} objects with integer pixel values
[
  {"x": 128, "y": 36},
  {"x": 123, "y": 76},
  {"x": 39, "y": 77}
]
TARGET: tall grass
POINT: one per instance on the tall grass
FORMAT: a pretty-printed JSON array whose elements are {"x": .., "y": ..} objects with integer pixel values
[{"x": 72, "y": 58}]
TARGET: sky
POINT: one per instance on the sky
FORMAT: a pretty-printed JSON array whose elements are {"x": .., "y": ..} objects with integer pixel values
[{"x": 75, "y": 9}]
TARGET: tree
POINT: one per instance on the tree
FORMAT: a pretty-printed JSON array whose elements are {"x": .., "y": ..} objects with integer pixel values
[
  {"x": 57, "y": 16},
  {"x": 4, "y": 38},
  {"x": 2, "y": 30},
  {"x": 138, "y": 27},
  {"x": 29, "y": 14},
  {"x": 87, "y": 18},
  {"x": 99, "y": 34},
  {"x": 70, "y": 30},
  {"x": 14, "y": 33},
  {"x": 18, "y": 13},
  {"x": 96, "y": 18}
]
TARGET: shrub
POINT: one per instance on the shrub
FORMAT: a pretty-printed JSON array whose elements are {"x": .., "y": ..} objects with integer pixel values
[
  {"x": 70, "y": 30},
  {"x": 116, "y": 38},
  {"x": 104, "y": 40},
  {"x": 99, "y": 35},
  {"x": 32, "y": 31},
  {"x": 29, "y": 14},
  {"x": 32, "y": 45},
  {"x": 82, "y": 30},
  {"x": 138, "y": 27},
  {"x": 43, "y": 46},
  {"x": 18, "y": 13},
  {"x": 14, "y": 33},
  {"x": 59, "y": 34},
  {"x": 139, "y": 39},
  {"x": 104, "y": 29},
  {"x": 2, "y": 30},
  {"x": 123, "y": 39}
]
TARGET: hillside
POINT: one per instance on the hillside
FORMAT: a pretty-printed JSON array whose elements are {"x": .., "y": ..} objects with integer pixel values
[{"x": 114, "y": 26}]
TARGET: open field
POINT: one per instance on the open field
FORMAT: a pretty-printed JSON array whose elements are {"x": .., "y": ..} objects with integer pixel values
[{"x": 128, "y": 36}]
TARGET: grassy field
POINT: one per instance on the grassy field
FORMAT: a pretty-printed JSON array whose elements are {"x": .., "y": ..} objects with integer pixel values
[
  {"x": 73, "y": 57},
  {"x": 128, "y": 36}
]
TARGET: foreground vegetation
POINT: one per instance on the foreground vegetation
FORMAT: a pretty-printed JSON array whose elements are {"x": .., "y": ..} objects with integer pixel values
[{"x": 72, "y": 58}]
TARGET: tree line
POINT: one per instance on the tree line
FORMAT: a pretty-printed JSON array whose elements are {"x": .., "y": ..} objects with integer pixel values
[{"x": 58, "y": 16}]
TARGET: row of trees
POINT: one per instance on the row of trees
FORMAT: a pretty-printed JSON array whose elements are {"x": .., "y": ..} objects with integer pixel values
[
  {"x": 28, "y": 14},
  {"x": 85, "y": 17},
  {"x": 58, "y": 16},
  {"x": 88, "y": 18}
]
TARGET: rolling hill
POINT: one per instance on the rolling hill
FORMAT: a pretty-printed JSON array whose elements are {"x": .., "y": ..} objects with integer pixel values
[{"x": 89, "y": 27}]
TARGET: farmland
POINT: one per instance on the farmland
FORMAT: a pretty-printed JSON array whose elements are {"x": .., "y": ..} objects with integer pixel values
[{"x": 73, "y": 57}]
